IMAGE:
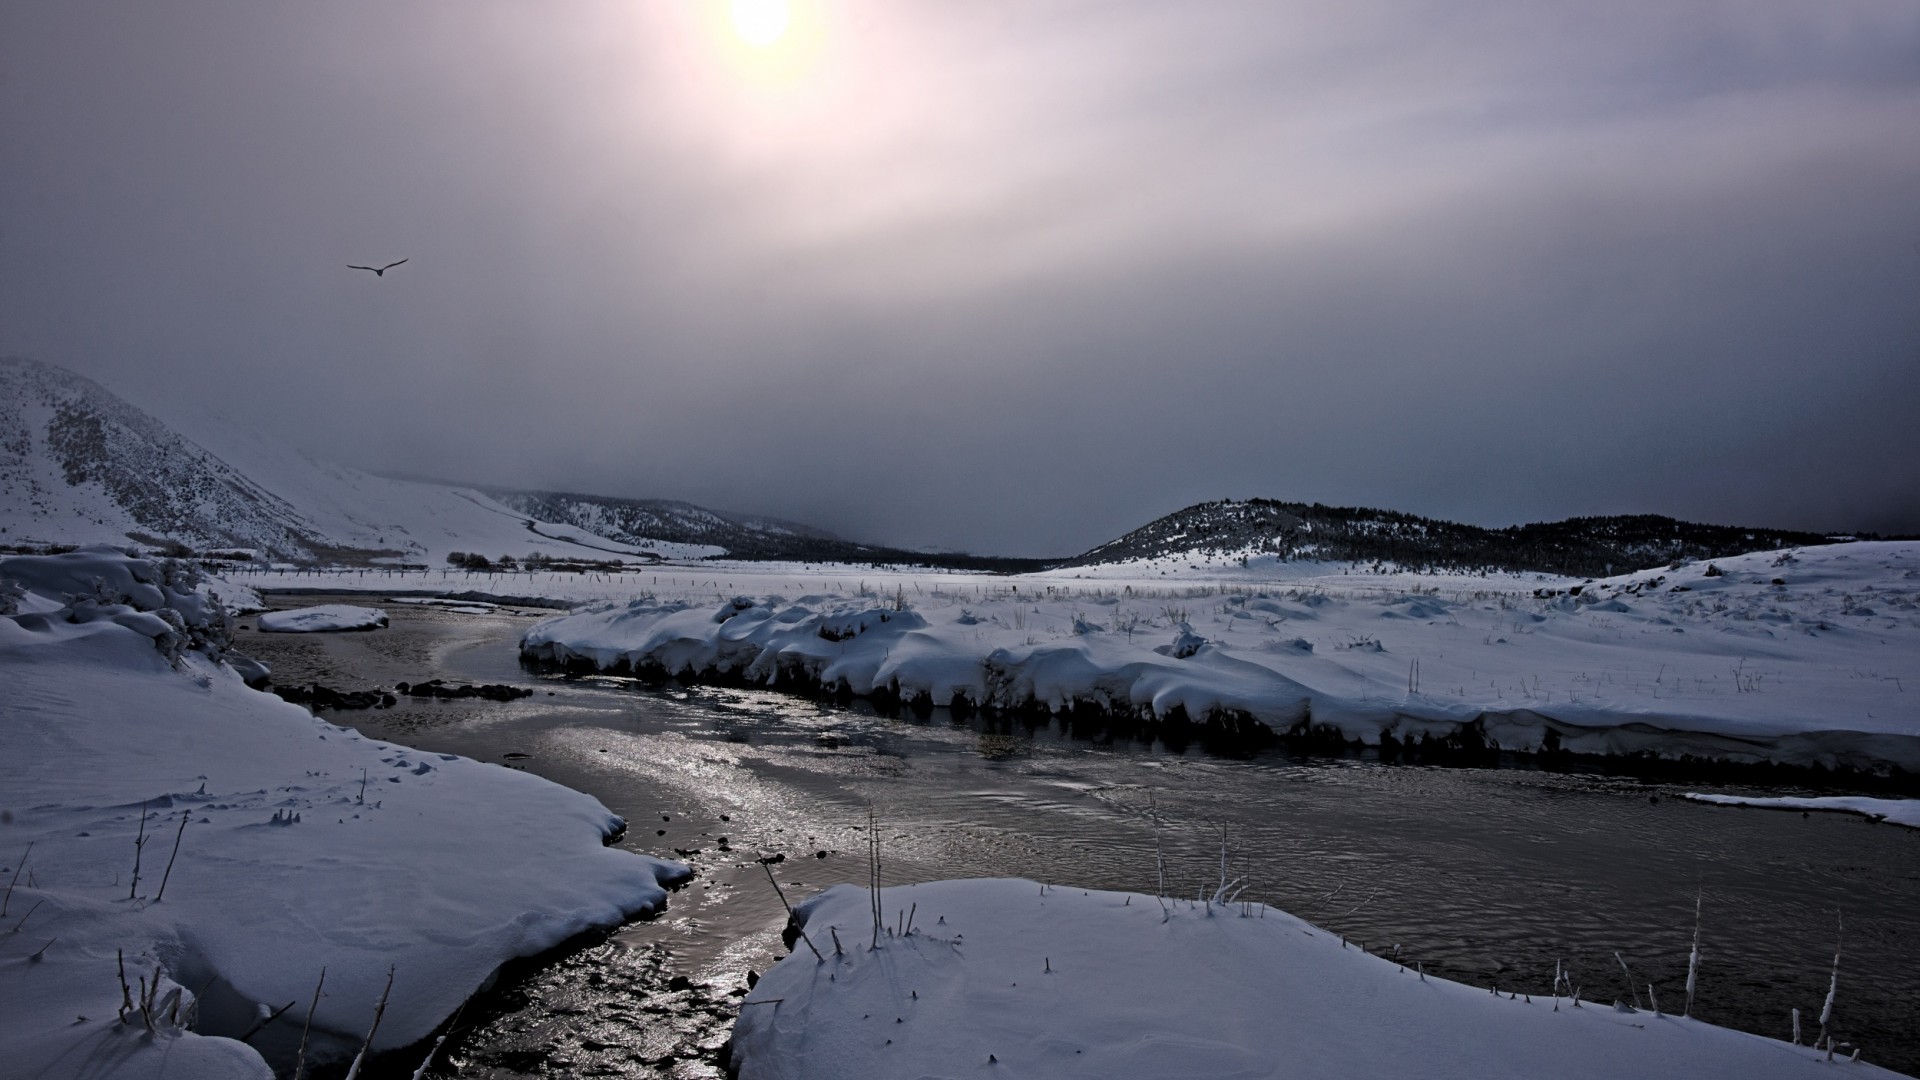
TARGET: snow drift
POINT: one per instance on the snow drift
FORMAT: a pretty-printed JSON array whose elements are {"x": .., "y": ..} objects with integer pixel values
[
  {"x": 1009, "y": 978},
  {"x": 300, "y": 846}
]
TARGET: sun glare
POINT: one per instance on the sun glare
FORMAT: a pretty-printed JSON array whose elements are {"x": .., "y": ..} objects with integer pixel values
[{"x": 761, "y": 23}]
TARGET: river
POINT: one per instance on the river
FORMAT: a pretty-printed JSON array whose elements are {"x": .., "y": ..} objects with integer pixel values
[{"x": 1487, "y": 876}]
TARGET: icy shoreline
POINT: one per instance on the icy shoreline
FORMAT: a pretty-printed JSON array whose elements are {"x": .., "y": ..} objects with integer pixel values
[
  {"x": 1779, "y": 659},
  {"x": 300, "y": 846},
  {"x": 1897, "y": 811},
  {"x": 1021, "y": 979}
]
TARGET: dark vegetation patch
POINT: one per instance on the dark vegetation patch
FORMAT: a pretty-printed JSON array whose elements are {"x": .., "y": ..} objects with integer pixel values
[
  {"x": 1576, "y": 547},
  {"x": 316, "y": 696}
]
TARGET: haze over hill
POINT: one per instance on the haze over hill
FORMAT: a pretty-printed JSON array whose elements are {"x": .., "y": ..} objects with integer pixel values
[{"x": 80, "y": 465}]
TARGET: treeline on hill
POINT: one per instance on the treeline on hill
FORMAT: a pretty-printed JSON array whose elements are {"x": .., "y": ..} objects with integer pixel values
[
  {"x": 1576, "y": 547},
  {"x": 536, "y": 561}
]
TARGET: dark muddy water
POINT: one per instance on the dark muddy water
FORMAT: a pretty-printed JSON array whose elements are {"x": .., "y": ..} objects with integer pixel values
[{"x": 1485, "y": 876}]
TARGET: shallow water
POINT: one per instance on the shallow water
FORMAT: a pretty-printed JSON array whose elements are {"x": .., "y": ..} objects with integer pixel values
[{"x": 1486, "y": 876}]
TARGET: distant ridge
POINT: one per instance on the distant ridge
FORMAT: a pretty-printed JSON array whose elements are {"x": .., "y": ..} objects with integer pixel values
[
  {"x": 742, "y": 536},
  {"x": 80, "y": 465},
  {"x": 1287, "y": 531}
]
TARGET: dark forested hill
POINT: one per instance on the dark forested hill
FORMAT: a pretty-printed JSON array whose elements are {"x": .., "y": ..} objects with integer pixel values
[{"x": 1580, "y": 547}]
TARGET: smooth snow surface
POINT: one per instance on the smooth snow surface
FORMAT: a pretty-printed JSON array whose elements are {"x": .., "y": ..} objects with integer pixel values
[
  {"x": 1206, "y": 991},
  {"x": 305, "y": 846},
  {"x": 1899, "y": 811},
  {"x": 321, "y": 619},
  {"x": 1798, "y": 657}
]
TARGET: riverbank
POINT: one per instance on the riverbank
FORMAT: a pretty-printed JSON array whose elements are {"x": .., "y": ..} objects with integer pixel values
[
  {"x": 1786, "y": 659},
  {"x": 221, "y": 848},
  {"x": 1021, "y": 979}
]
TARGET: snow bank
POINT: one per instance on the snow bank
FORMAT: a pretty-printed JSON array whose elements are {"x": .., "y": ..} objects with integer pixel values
[
  {"x": 1008, "y": 978},
  {"x": 322, "y": 619},
  {"x": 1790, "y": 657},
  {"x": 106, "y": 573},
  {"x": 1899, "y": 811},
  {"x": 304, "y": 846}
]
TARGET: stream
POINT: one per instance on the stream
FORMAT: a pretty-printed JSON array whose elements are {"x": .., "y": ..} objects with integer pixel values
[{"x": 1486, "y": 876}]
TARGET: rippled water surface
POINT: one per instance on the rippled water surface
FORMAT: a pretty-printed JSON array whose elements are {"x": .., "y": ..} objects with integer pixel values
[{"x": 1486, "y": 876}]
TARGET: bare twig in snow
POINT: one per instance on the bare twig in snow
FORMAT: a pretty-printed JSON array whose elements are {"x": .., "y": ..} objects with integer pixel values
[
  {"x": 265, "y": 1020},
  {"x": 1693, "y": 956},
  {"x": 791, "y": 919},
  {"x": 139, "y": 842},
  {"x": 300, "y": 1060},
  {"x": 379, "y": 1011},
  {"x": 1833, "y": 987},
  {"x": 182, "y": 831},
  {"x": 28, "y": 915},
  {"x": 1630, "y": 986},
  {"x": 126, "y": 992},
  {"x": 16, "y": 877}
]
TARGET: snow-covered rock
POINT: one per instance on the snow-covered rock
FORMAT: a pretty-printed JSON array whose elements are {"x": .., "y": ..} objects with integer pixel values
[
  {"x": 1008, "y": 978},
  {"x": 322, "y": 618},
  {"x": 300, "y": 846}
]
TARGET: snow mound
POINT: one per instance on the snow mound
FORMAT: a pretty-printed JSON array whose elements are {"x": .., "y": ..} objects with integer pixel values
[
  {"x": 229, "y": 846},
  {"x": 322, "y": 619},
  {"x": 1008, "y": 978},
  {"x": 1899, "y": 811}
]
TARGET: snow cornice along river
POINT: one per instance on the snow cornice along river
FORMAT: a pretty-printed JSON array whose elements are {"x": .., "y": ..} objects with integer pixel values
[{"x": 1791, "y": 657}]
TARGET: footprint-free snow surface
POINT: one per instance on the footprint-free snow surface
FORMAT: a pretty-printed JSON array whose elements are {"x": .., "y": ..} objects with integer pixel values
[
  {"x": 1008, "y": 978},
  {"x": 300, "y": 846}
]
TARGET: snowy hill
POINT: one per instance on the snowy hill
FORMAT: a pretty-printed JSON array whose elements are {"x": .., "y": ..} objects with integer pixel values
[
  {"x": 646, "y": 522},
  {"x": 657, "y": 524},
  {"x": 1231, "y": 530},
  {"x": 79, "y": 465}
]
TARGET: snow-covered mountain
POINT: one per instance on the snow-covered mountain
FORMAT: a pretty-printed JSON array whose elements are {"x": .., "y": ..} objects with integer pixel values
[
  {"x": 80, "y": 465},
  {"x": 643, "y": 521},
  {"x": 1211, "y": 533}
]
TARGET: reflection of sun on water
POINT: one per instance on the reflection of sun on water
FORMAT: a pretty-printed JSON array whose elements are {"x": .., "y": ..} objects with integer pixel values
[{"x": 761, "y": 23}]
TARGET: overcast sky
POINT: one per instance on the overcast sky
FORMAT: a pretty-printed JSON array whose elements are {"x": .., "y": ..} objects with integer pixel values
[{"x": 1006, "y": 276}]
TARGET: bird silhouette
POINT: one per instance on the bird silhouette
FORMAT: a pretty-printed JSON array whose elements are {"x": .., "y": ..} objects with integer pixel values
[{"x": 378, "y": 271}]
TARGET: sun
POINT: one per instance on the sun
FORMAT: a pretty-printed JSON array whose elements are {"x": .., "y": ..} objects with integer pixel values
[{"x": 761, "y": 23}]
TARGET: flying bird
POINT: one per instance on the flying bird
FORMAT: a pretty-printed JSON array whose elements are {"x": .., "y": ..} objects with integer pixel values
[{"x": 378, "y": 271}]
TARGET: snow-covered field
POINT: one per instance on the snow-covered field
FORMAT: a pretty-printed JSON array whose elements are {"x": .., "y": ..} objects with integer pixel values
[
  {"x": 1008, "y": 978},
  {"x": 325, "y": 618},
  {"x": 1796, "y": 657},
  {"x": 269, "y": 845}
]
